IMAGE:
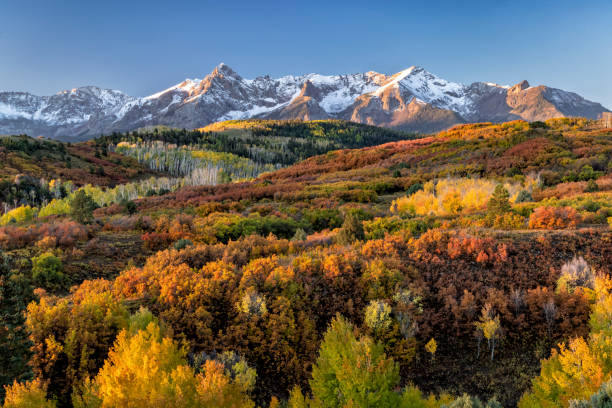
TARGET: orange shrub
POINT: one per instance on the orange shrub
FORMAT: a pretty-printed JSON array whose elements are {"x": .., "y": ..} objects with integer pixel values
[
  {"x": 554, "y": 218},
  {"x": 47, "y": 242}
]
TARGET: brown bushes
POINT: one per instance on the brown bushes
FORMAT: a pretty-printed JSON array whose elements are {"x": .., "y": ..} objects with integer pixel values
[
  {"x": 65, "y": 233},
  {"x": 156, "y": 240}
]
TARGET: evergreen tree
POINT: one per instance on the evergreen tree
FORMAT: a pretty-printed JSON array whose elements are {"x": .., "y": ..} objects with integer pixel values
[
  {"x": 130, "y": 207},
  {"x": 500, "y": 201},
  {"x": 524, "y": 196},
  {"x": 82, "y": 207},
  {"x": 591, "y": 186},
  {"x": 352, "y": 230}
]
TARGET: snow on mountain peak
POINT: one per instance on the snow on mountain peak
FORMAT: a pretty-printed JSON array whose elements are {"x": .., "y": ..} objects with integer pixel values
[
  {"x": 429, "y": 88},
  {"x": 493, "y": 84},
  {"x": 224, "y": 70},
  {"x": 394, "y": 81},
  {"x": 186, "y": 86},
  {"x": 223, "y": 94}
]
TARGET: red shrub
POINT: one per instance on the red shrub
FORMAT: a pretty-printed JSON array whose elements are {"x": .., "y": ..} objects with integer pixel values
[
  {"x": 16, "y": 237},
  {"x": 156, "y": 240},
  {"x": 67, "y": 233},
  {"x": 554, "y": 218}
]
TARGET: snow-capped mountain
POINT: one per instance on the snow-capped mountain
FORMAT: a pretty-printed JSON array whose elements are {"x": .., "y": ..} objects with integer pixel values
[
  {"x": 412, "y": 99},
  {"x": 81, "y": 111}
]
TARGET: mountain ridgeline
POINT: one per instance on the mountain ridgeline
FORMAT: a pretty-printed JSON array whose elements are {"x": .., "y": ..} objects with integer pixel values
[{"x": 411, "y": 100}]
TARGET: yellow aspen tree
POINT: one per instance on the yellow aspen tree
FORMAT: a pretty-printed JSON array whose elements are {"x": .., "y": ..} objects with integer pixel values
[
  {"x": 432, "y": 347},
  {"x": 490, "y": 327}
]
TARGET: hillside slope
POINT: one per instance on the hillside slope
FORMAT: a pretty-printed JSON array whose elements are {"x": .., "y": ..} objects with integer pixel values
[
  {"x": 459, "y": 263},
  {"x": 81, "y": 163}
]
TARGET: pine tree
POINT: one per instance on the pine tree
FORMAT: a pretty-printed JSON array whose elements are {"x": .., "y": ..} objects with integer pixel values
[
  {"x": 82, "y": 207},
  {"x": 352, "y": 230},
  {"x": 500, "y": 201}
]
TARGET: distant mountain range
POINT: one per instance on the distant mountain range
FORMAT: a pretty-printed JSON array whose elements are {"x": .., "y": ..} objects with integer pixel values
[{"x": 411, "y": 100}]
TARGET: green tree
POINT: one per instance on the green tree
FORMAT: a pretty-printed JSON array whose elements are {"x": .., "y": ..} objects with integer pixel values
[
  {"x": 353, "y": 372},
  {"x": 82, "y": 207},
  {"x": 352, "y": 230},
  {"x": 299, "y": 236},
  {"x": 47, "y": 270},
  {"x": 524, "y": 196},
  {"x": 412, "y": 397},
  {"x": 130, "y": 207},
  {"x": 499, "y": 203},
  {"x": 587, "y": 173},
  {"x": 591, "y": 186}
]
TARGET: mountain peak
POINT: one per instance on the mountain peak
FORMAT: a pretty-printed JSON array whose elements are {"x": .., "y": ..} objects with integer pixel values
[
  {"x": 408, "y": 71},
  {"x": 414, "y": 69},
  {"x": 79, "y": 89},
  {"x": 395, "y": 79},
  {"x": 521, "y": 86},
  {"x": 308, "y": 89},
  {"x": 224, "y": 70}
]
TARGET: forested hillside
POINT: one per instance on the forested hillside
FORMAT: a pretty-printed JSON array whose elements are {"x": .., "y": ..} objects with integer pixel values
[
  {"x": 33, "y": 172},
  {"x": 274, "y": 142},
  {"x": 41, "y": 176},
  {"x": 467, "y": 268},
  {"x": 81, "y": 163}
]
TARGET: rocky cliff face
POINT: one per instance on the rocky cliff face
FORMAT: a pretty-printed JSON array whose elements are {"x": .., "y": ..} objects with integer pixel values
[{"x": 412, "y": 99}]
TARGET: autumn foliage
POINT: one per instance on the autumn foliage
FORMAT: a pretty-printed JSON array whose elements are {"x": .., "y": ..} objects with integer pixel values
[
  {"x": 391, "y": 275},
  {"x": 554, "y": 218}
]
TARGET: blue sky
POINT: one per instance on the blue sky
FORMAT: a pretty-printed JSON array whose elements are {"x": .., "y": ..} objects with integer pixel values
[{"x": 141, "y": 47}]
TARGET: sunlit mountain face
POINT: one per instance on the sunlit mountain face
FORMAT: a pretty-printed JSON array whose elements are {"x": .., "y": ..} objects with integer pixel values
[{"x": 412, "y": 100}]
